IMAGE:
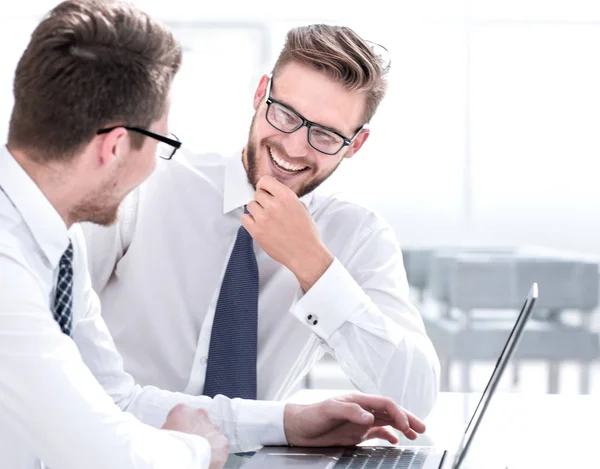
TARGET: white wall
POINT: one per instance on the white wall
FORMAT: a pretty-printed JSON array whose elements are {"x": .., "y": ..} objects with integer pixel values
[{"x": 489, "y": 133}]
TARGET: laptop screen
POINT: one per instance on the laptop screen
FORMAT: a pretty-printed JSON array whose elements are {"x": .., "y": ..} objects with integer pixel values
[{"x": 503, "y": 360}]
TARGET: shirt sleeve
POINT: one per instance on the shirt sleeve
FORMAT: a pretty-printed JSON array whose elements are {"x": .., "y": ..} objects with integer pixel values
[
  {"x": 360, "y": 310},
  {"x": 248, "y": 424},
  {"x": 51, "y": 400}
]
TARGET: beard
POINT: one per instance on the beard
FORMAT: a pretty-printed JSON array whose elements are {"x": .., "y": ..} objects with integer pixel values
[
  {"x": 101, "y": 206},
  {"x": 252, "y": 163},
  {"x": 94, "y": 208}
]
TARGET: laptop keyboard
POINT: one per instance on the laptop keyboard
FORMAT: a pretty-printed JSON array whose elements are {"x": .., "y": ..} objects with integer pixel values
[{"x": 381, "y": 457}]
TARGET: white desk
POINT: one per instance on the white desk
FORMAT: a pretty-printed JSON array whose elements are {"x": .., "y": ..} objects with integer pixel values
[{"x": 519, "y": 431}]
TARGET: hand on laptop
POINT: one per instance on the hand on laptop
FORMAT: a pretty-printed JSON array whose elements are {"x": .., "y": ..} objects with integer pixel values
[
  {"x": 186, "y": 419},
  {"x": 348, "y": 420}
]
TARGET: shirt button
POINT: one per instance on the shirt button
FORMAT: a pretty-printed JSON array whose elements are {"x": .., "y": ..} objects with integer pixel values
[
  {"x": 312, "y": 319},
  {"x": 204, "y": 360}
]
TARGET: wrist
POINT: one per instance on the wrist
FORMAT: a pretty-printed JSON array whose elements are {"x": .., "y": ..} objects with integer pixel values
[
  {"x": 311, "y": 266},
  {"x": 289, "y": 413}
]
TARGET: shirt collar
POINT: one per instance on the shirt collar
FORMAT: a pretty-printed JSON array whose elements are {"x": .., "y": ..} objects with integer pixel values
[
  {"x": 237, "y": 189},
  {"x": 42, "y": 219}
]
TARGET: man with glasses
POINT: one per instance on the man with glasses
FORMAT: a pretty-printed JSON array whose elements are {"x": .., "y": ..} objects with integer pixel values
[
  {"x": 323, "y": 139},
  {"x": 79, "y": 142},
  {"x": 248, "y": 274}
]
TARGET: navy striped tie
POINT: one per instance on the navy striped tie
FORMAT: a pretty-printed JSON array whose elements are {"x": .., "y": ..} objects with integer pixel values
[
  {"x": 63, "y": 298},
  {"x": 231, "y": 367}
]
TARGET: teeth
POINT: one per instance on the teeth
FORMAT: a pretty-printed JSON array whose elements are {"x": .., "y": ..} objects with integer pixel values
[{"x": 284, "y": 164}]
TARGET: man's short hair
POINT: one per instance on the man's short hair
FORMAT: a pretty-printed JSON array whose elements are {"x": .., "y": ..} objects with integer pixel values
[
  {"x": 343, "y": 55},
  {"x": 90, "y": 64}
]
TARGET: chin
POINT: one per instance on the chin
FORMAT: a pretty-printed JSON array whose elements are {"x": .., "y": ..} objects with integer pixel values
[
  {"x": 108, "y": 220},
  {"x": 103, "y": 216},
  {"x": 104, "y": 219},
  {"x": 296, "y": 188}
]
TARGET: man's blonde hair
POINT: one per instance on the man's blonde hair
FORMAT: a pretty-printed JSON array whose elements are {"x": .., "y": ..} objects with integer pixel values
[{"x": 341, "y": 54}]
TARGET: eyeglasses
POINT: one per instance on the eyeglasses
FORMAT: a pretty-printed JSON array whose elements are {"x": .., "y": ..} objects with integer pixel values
[
  {"x": 165, "y": 149},
  {"x": 321, "y": 138}
]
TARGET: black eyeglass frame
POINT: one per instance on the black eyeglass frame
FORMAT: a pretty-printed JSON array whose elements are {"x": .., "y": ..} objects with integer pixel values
[
  {"x": 176, "y": 144},
  {"x": 305, "y": 122}
]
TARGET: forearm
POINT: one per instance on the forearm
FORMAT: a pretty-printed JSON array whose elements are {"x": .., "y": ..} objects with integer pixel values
[
  {"x": 378, "y": 338},
  {"x": 404, "y": 368},
  {"x": 50, "y": 399},
  {"x": 247, "y": 424}
]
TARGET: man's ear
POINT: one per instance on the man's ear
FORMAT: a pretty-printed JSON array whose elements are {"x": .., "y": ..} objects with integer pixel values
[
  {"x": 261, "y": 90},
  {"x": 113, "y": 146},
  {"x": 357, "y": 143}
]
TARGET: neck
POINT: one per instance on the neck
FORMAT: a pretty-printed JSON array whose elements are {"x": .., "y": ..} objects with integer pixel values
[{"x": 51, "y": 180}]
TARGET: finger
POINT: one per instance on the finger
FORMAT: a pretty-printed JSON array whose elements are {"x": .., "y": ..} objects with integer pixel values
[
  {"x": 255, "y": 209},
  {"x": 404, "y": 421},
  {"x": 411, "y": 434},
  {"x": 264, "y": 198},
  {"x": 272, "y": 186},
  {"x": 248, "y": 222},
  {"x": 349, "y": 412},
  {"x": 383, "y": 418},
  {"x": 415, "y": 422},
  {"x": 399, "y": 418},
  {"x": 382, "y": 433}
]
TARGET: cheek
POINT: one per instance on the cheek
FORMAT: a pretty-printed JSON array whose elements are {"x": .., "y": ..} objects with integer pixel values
[
  {"x": 325, "y": 165},
  {"x": 145, "y": 166},
  {"x": 150, "y": 166},
  {"x": 263, "y": 132},
  {"x": 320, "y": 162}
]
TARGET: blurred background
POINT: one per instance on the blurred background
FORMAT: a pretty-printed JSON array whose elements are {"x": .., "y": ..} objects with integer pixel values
[{"x": 484, "y": 157}]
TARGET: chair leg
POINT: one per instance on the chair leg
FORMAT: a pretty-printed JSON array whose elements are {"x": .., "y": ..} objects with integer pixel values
[
  {"x": 445, "y": 372},
  {"x": 516, "y": 373},
  {"x": 466, "y": 377},
  {"x": 584, "y": 378},
  {"x": 553, "y": 377}
]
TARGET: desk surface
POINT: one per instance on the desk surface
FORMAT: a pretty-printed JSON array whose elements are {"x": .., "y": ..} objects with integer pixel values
[{"x": 525, "y": 431}]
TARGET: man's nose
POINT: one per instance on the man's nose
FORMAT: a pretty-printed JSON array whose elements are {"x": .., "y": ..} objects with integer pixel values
[{"x": 296, "y": 144}]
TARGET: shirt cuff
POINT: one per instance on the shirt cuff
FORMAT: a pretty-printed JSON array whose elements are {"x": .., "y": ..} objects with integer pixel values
[
  {"x": 331, "y": 301},
  {"x": 260, "y": 423}
]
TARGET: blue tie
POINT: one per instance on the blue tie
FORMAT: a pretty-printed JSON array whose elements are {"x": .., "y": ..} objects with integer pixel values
[{"x": 231, "y": 367}]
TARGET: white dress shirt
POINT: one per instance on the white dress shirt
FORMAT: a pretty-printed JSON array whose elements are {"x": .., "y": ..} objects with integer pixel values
[
  {"x": 158, "y": 272},
  {"x": 62, "y": 398}
]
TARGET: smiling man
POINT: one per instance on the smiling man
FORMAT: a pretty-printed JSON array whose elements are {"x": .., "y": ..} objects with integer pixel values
[{"x": 234, "y": 276}]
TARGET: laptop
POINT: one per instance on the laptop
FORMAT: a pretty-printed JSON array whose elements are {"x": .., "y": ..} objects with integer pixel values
[{"x": 397, "y": 457}]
